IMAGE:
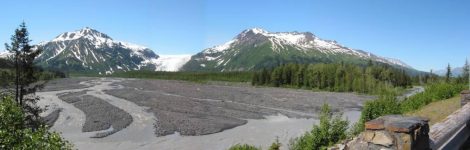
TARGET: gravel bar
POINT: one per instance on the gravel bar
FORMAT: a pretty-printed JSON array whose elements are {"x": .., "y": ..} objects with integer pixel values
[{"x": 100, "y": 115}]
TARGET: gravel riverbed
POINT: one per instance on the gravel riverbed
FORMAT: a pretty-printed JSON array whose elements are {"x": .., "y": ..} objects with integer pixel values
[{"x": 163, "y": 114}]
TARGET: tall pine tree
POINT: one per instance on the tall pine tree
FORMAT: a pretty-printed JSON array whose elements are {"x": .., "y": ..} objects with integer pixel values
[
  {"x": 448, "y": 73},
  {"x": 25, "y": 77},
  {"x": 466, "y": 73}
]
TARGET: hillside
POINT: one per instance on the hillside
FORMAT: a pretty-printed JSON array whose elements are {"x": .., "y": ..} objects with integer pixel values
[{"x": 256, "y": 48}]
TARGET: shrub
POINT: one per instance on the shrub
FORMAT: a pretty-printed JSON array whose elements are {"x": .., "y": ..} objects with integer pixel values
[
  {"x": 276, "y": 145},
  {"x": 331, "y": 130},
  {"x": 244, "y": 147},
  {"x": 433, "y": 92},
  {"x": 15, "y": 135},
  {"x": 386, "y": 104}
]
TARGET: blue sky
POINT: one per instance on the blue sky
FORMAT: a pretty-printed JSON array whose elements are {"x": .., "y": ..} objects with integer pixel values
[{"x": 426, "y": 34}]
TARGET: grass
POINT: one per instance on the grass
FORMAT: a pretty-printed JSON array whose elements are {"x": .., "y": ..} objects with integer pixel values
[{"x": 437, "y": 111}]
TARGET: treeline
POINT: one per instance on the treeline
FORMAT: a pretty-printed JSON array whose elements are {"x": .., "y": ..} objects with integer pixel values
[
  {"x": 187, "y": 76},
  {"x": 342, "y": 77},
  {"x": 7, "y": 73}
]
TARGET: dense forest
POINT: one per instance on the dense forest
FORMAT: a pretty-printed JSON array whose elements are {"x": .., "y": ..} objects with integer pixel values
[
  {"x": 185, "y": 76},
  {"x": 7, "y": 74},
  {"x": 371, "y": 79}
]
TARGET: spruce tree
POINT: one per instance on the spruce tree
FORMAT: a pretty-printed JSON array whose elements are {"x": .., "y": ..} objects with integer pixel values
[
  {"x": 466, "y": 73},
  {"x": 432, "y": 76},
  {"x": 448, "y": 73},
  {"x": 25, "y": 77}
]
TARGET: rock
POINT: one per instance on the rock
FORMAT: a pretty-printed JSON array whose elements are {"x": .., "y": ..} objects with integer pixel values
[
  {"x": 405, "y": 142},
  {"x": 356, "y": 143},
  {"x": 402, "y": 126},
  {"x": 465, "y": 97},
  {"x": 377, "y": 124},
  {"x": 368, "y": 136},
  {"x": 382, "y": 138}
]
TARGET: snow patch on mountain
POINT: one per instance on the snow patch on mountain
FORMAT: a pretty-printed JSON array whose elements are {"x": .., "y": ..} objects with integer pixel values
[
  {"x": 224, "y": 46},
  {"x": 131, "y": 46},
  {"x": 304, "y": 41},
  {"x": 98, "y": 39},
  {"x": 5, "y": 54},
  {"x": 397, "y": 62},
  {"x": 85, "y": 32},
  {"x": 96, "y": 51},
  {"x": 258, "y": 31}
]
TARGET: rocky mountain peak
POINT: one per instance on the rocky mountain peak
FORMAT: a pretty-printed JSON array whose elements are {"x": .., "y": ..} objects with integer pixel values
[
  {"x": 266, "y": 49},
  {"x": 85, "y": 32},
  {"x": 89, "y": 50}
]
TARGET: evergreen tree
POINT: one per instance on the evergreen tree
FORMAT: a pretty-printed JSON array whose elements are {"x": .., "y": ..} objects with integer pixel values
[
  {"x": 255, "y": 80},
  {"x": 466, "y": 73},
  {"x": 431, "y": 76},
  {"x": 370, "y": 63},
  {"x": 276, "y": 77},
  {"x": 23, "y": 58},
  {"x": 448, "y": 73},
  {"x": 336, "y": 77}
]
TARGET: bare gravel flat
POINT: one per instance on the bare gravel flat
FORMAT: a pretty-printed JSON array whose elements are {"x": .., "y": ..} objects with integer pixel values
[
  {"x": 100, "y": 115},
  {"x": 162, "y": 114},
  {"x": 199, "y": 109},
  {"x": 67, "y": 84}
]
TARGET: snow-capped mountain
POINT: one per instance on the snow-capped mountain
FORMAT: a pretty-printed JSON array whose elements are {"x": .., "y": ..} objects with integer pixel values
[
  {"x": 4, "y": 54},
  {"x": 458, "y": 71},
  {"x": 88, "y": 50},
  {"x": 257, "y": 48}
]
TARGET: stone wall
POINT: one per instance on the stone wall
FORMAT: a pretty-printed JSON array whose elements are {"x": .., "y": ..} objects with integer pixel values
[
  {"x": 406, "y": 133},
  {"x": 393, "y": 132}
]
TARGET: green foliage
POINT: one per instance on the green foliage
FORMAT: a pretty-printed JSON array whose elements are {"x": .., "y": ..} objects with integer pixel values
[
  {"x": 275, "y": 145},
  {"x": 188, "y": 76},
  {"x": 448, "y": 73},
  {"x": 432, "y": 93},
  {"x": 244, "y": 147},
  {"x": 383, "y": 106},
  {"x": 16, "y": 135},
  {"x": 371, "y": 79},
  {"x": 464, "y": 78},
  {"x": 7, "y": 76},
  {"x": 25, "y": 74},
  {"x": 331, "y": 130},
  {"x": 387, "y": 104}
]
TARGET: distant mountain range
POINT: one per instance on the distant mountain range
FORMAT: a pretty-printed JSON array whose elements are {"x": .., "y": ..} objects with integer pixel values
[
  {"x": 256, "y": 48},
  {"x": 88, "y": 50},
  {"x": 455, "y": 71}
]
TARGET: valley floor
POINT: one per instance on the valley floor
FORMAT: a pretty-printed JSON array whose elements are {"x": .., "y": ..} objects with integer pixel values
[{"x": 116, "y": 113}]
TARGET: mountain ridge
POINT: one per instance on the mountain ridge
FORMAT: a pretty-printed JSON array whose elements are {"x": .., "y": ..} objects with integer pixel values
[
  {"x": 88, "y": 50},
  {"x": 283, "y": 46}
]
